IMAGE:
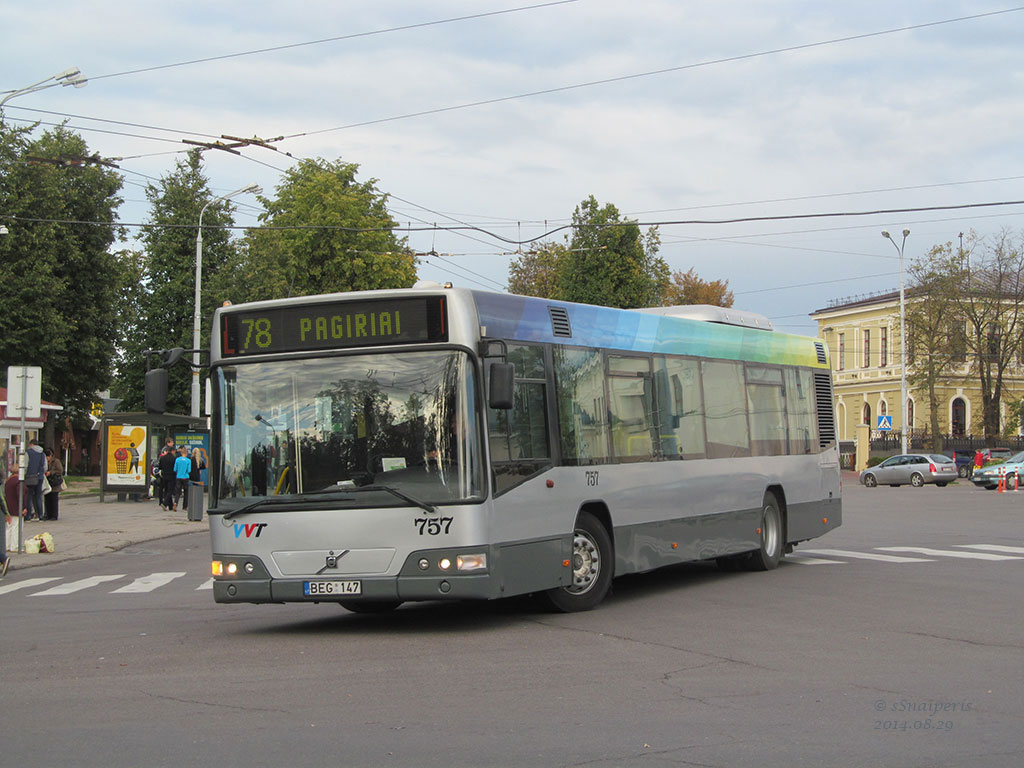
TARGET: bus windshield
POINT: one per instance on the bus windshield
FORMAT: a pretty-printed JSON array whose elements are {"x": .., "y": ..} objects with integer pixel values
[{"x": 404, "y": 422}]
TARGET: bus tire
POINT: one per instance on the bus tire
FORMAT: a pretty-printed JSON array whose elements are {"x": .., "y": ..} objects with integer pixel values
[
  {"x": 592, "y": 568},
  {"x": 370, "y": 606},
  {"x": 773, "y": 537}
]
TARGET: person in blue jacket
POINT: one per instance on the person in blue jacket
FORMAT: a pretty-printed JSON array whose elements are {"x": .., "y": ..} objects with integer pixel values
[{"x": 182, "y": 470}]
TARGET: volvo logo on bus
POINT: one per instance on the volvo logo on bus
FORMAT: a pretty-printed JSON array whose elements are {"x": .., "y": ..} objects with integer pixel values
[{"x": 332, "y": 560}]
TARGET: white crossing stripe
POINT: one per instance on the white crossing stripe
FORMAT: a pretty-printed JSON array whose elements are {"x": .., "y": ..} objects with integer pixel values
[
  {"x": 149, "y": 583},
  {"x": 993, "y": 548},
  {"x": 25, "y": 584},
  {"x": 78, "y": 586},
  {"x": 205, "y": 585},
  {"x": 802, "y": 560},
  {"x": 950, "y": 553},
  {"x": 867, "y": 556}
]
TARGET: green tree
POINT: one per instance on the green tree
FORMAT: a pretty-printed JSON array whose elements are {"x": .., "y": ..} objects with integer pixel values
[
  {"x": 324, "y": 232},
  {"x": 610, "y": 262},
  {"x": 168, "y": 265},
  {"x": 990, "y": 298},
  {"x": 535, "y": 273},
  {"x": 931, "y": 323},
  {"x": 688, "y": 288},
  {"x": 58, "y": 278}
]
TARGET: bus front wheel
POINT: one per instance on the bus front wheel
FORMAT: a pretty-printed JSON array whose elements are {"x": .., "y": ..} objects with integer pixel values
[
  {"x": 768, "y": 555},
  {"x": 592, "y": 568}
]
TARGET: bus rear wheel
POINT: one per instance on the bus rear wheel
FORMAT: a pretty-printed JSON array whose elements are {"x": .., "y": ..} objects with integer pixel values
[
  {"x": 773, "y": 538},
  {"x": 592, "y": 568},
  {"x": 370, "y": 606}
]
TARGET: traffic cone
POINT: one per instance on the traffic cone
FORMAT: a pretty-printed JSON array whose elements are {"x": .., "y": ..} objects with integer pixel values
[
  {"x": 1002, "y": 482},
  {"x": 1016, "y": 482}
]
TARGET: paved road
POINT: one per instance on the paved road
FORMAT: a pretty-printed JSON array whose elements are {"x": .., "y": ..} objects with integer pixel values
[{"x": 895, "y": 640}]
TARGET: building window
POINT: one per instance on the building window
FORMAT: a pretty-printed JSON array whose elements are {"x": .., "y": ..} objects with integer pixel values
[
  {"x": 883, "y": 348},
  {"x": 866, "y": 415},
  {"x": 910, "y": 416},
  {"x": 867, "y": 348},
  {"x": 842, "y": 351},
  {"x": 958, "y": 417}
]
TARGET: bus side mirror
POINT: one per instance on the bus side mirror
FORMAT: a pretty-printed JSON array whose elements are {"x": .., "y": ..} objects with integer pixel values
[
  {"x": 502, "y": 381},
  {"x": 156, "y": 390}
]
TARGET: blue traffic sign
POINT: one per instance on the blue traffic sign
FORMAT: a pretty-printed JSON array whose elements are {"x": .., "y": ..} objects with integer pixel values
[{"x": 885, "y": 423}]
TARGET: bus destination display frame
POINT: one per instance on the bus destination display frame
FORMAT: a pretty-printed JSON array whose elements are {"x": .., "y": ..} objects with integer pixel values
[{"x": 342, "y": 324}]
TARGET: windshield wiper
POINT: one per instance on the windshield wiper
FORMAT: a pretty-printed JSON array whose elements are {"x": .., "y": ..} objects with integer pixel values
[
  {"x": 394, "y": 492},
  {"x": 275, "y": 500},
  {"x": 331, "y": 494}
]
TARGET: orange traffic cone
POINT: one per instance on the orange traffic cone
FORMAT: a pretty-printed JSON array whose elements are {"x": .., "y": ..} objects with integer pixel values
[{"x": 1002, "y": 482}]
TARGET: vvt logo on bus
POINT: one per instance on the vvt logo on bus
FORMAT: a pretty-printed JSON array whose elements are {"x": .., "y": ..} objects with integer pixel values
[{"x": 251, "y": 530}]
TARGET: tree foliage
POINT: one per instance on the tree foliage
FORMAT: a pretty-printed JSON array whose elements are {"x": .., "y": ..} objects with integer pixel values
[
  {"x": 688, "y": 288},
  {"x": 610, "y": 262},
  {"x": 536, "y": 273},
  {"x": 58, "y": 278},
  {"x": 986, "y": 313},
  {"x": 324, "y": 232},
  {"x": 167, "y": 269},
  {"x": 931, "y": 323}
]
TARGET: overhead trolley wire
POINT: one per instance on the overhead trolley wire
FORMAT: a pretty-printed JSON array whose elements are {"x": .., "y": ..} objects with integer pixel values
[{"x": 651, "y": 73}]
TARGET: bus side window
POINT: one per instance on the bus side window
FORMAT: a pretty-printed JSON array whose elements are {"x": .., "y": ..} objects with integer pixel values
[
  {"x": 680, "y": 407},
  {"x": 725, "y": 401},
  {"x": 803, "y": 426}
]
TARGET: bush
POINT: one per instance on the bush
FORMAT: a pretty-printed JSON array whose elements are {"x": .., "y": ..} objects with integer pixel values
[{"x": 874, "y": 461}]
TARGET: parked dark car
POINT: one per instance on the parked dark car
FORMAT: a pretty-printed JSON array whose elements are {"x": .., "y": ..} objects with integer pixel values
[
  {"x": 964, "y": 461},
  {"x": 913, "y": 468}
]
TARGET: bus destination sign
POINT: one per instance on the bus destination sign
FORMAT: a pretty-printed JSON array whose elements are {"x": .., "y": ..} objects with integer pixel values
[{"x": 334, "y": 325}]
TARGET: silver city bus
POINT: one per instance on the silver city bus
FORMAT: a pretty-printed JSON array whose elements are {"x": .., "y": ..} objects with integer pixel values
[{"x": 439, "y": 443}]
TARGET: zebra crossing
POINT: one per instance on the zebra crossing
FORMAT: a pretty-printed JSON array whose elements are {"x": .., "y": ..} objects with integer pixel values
[
  {"x": 989, "y": 552},
  {"x": 141, "y": 585},
  {"x": 901, "y": 555}
]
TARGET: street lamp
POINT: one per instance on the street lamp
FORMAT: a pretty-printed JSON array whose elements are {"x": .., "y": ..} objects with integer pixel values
[
  {"x": 254, "y": 189},
  {"x": 70, "y": 76},
  {"x": 903, "y": 341}
]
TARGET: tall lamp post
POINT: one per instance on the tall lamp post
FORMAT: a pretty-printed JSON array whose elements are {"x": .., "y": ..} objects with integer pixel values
[
  {"x": 196, "y": 320},
  {"x": 70, "y": 76},
  {"x": 903, "y": 341}
]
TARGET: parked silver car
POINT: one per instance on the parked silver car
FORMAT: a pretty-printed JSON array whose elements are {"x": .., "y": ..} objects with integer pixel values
[{"x": 913, "y": 468}]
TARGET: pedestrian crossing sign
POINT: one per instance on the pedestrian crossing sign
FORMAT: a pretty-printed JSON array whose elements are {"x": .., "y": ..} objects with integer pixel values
[{"x": 885, "y": 423}]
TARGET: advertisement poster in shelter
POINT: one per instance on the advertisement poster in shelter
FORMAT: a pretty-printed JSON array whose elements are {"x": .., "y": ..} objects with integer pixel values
[{"x": 126, "y": 455}]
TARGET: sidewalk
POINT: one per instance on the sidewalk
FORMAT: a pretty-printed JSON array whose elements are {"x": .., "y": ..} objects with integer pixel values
[{"x": 87, "y": 527}]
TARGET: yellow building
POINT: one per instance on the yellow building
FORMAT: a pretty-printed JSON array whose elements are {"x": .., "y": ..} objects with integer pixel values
[{"x": 863, "y": 337}]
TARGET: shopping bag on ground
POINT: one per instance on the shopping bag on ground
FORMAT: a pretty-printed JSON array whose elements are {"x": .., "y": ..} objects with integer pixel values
[{"x": 43, "y": 542}]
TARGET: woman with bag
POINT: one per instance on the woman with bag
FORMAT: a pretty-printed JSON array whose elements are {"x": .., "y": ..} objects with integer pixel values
[{"x": 55, "y": 474}]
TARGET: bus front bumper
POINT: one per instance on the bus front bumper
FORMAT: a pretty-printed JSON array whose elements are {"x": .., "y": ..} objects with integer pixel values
[{"x": 254, "y": 584}]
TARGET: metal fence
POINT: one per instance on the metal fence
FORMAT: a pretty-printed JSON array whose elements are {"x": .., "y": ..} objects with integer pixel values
[{"x": 889, "y": 442}]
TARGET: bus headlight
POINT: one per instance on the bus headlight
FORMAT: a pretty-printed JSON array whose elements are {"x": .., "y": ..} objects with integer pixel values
[{"x": 471, "y": 562}]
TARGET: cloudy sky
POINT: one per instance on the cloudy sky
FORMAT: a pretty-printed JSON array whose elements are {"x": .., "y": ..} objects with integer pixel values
[{"x": 505, "y": 115}]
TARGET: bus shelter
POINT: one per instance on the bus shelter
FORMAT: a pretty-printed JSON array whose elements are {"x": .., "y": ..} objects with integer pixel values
[{"x": 131, "y": 441}]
